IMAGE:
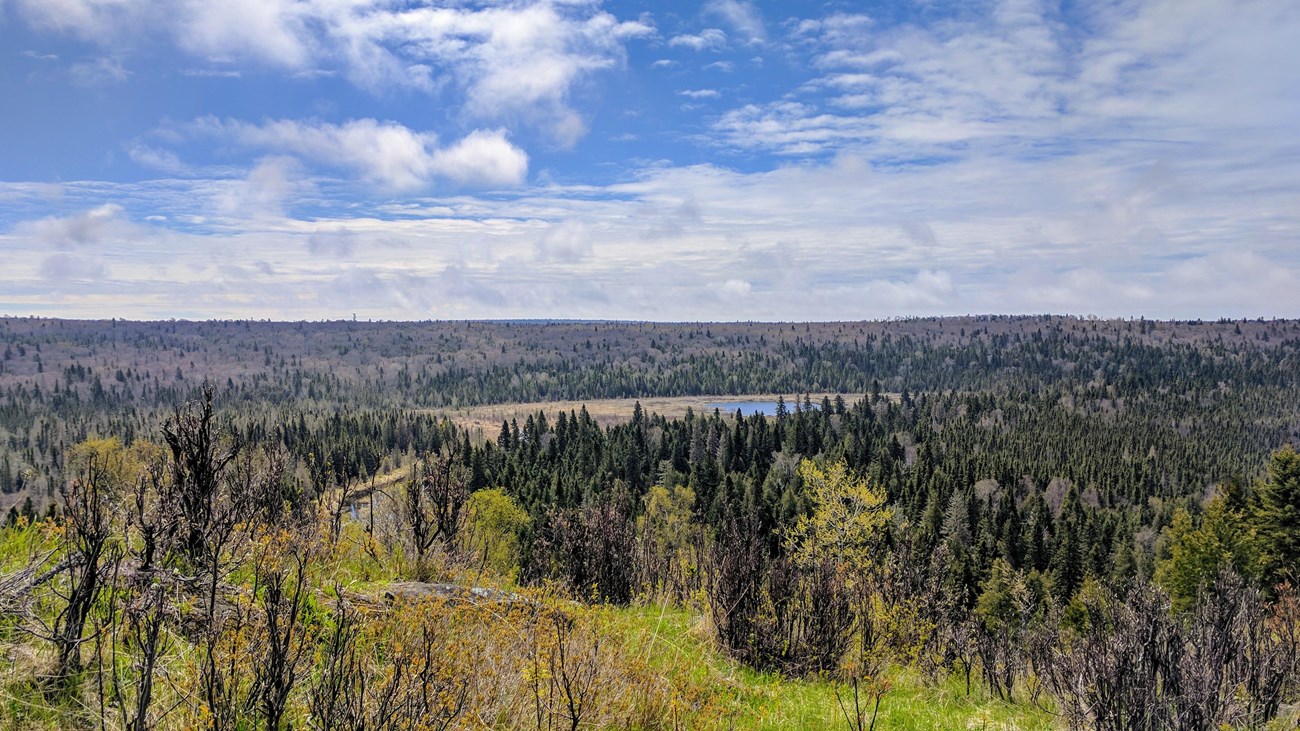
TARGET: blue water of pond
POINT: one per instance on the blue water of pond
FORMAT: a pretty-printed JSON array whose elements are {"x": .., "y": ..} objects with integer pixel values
[{"x": 748, "y": 408}]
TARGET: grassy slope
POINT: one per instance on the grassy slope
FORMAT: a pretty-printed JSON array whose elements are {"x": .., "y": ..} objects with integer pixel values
[
  {"x": 661, "y": 669},
  {"x": 662, "y": 650},
  {"x": 674, "y": 643}
]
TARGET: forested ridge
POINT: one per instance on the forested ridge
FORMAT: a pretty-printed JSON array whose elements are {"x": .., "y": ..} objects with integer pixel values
[
  {"x": 61, "y": 381},
  {"x": 1001, "y": 500}
]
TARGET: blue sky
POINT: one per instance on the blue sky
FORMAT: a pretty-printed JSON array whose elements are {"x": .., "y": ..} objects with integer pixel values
[{"x": 717, "y": 160}]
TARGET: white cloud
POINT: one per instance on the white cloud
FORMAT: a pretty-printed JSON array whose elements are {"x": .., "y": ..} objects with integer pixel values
[
  {"x": 843, "y": 30},
  {"x": 521, "y": 62},
  {"x": 737, "y": 288},
  {"x": 790, "y": 128},
  {"x": 831, "y": 241},
  {"x": 98, "y": 72},
  {"x": 157, "y": 159},
  {"x": 263, "y": 194},
  {"x": 387, "y": 154},
  {"x": 1142, "y": 162},
  {"x": 90, "y": 228},
  {"x": 742, "y": 16},
  {"x": 928, "y": 289},
  {"x": 1016, "y": 81},
  {"x": 483, "y": 157},
  {"x": 340, "y": 242},
  {"x": 517, "y": 61},
  {"x": 699, "y": 93},
  {"x": 709, "y": 39},
  {"x": 71, "y": 268},
  {"x": 272, "y": 31},
  {"x": 566, "y": 242}
]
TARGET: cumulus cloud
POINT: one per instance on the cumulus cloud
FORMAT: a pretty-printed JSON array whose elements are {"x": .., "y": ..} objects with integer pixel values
[
  {"x": 272, "y": 31},
  {"x": 512, "y": 62},
  {"x": 263, "y": 194},
  {"x": 94, "y": 227},
  {"x": 524, "y": 60},
  {"x": 484, "y": 157},
  {"x": 926, "y": 290},
  {"x": 387, "y": 154},
  {"x": 1142, "y": 161},
  {"x": 566, "y": 242},
  {"x": 737, "y": 288},
  {"x": 819, "y": 241}
]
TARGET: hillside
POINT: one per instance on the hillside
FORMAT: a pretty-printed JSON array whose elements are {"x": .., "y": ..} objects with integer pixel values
[{"x": 970, "y": 516}]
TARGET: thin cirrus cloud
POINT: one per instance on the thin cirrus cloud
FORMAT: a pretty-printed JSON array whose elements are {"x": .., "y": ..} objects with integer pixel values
[
  {"x": 742, "y": 16},
  {"x": 155, "y": 158}
]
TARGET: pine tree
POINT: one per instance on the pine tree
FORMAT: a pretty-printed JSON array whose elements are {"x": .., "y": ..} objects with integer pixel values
[
  {"x": 1277, "y": 517},
  {"x": 1067, "y": 559}
]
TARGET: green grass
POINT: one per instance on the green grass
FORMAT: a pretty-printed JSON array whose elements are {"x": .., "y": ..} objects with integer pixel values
[
  {"x": 673, "y": 642},
  {"x": 661, "y": 653}
]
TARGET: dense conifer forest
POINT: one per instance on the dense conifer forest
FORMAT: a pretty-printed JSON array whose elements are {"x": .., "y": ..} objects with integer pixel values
[{"x": 1089, "y": 523}]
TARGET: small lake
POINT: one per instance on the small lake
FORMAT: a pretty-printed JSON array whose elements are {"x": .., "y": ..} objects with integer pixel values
[{"x": 749, "y": 408}]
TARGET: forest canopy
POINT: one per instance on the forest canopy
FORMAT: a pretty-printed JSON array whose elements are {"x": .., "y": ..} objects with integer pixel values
[{"x": 1003, "y": 503}]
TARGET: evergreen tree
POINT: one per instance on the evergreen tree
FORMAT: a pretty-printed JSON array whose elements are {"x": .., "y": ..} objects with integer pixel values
[
  {"x": 1277, "y": 517},
  {"x": 1068, "y": 557},
  {"x": 1195, "y": 555}
]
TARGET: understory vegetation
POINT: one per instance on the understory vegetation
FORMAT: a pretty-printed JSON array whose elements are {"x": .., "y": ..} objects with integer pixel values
[
  {"x": 187, "y": 585},
  {"x": 1067, "y": 527}
]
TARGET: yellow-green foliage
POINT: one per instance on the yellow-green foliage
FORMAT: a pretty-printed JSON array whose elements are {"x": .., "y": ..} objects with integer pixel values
[
  {"x": 848, "y": 514},
  {"x": 121, "y": 466},
  {"x": 667, "y": 533},
  {"x": 1195, "y": 554},
  {"x": 667, "y": 518},
  {"x": 502, "y": 662},
  {"x": 495, "y": 522},
  {"x": 290, "y": 593}
]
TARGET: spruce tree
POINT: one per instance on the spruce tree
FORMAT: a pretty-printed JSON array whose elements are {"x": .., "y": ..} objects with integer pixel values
[{"x": 1277, "y": 517}]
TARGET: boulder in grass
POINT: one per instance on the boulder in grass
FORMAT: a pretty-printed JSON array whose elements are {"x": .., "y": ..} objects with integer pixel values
[{"x": 419, "y": 590}]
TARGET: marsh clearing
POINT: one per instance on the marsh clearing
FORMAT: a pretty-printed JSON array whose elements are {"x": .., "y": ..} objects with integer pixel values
[{"x": 486, "y": 420}]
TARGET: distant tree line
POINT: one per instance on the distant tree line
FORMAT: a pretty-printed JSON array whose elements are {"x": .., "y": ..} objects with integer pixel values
[{"x": 65, "y": 381}]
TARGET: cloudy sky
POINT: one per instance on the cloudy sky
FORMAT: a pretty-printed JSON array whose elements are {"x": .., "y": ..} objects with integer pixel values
[{"x": 717, "y": 160}]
